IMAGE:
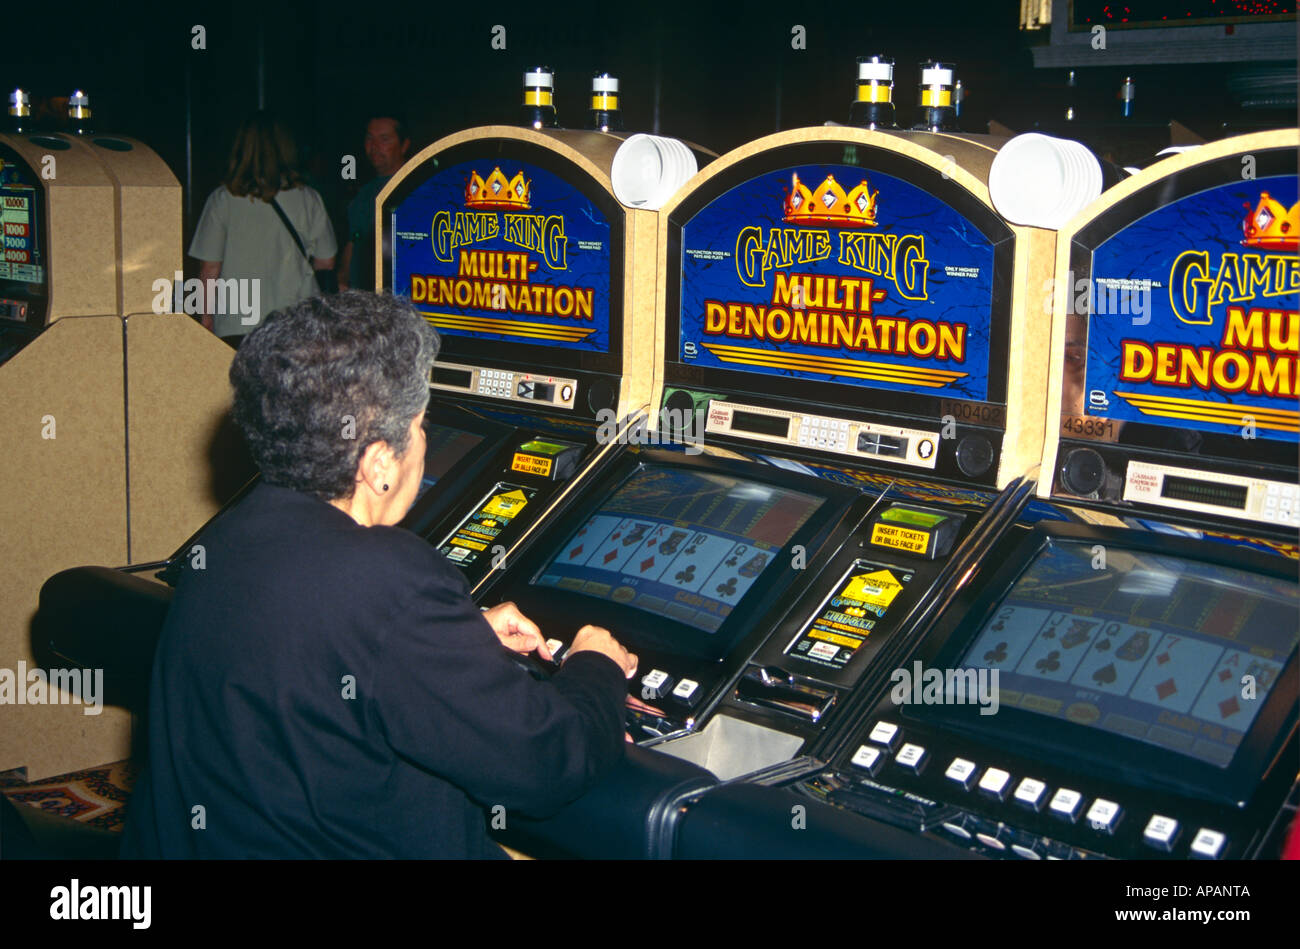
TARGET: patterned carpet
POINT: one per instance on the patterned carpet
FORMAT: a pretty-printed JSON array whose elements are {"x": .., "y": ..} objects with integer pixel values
[{"x": 95, "y": 796}]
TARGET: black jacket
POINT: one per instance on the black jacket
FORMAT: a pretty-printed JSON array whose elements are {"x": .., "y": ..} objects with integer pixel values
[{"x": 323, "y": 689}]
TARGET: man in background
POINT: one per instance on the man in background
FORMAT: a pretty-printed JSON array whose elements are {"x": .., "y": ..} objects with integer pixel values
[{"x": 387, "y": 146}]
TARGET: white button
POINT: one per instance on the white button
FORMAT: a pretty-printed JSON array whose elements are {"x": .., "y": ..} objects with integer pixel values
[
  {"x": 1026, "y": 852},
  {"x": 884, "y": 733},
  {"x": 1103, "y": 815},
  {"x": 1030, "y": 793},
  {"x": 654, "y": 678},
  {"x": 991, "y": 841},
  {"x": 960, "y": 771},
  {"x": 1272, "y": 488},
  {"x": 956, "y": 829},
  {"x": 1160, "y": 831},
  {"x": 910, "y": 756},
  {"x": 995, "y": 781},
  {"x": 1208, "y": 844},
  {"x": 1270, "y": 502},
  {"x": 1065, "y": 803},
  {"x": 566, "y": 393},
  {"x": 866, "y": 757},
  {"x": 686, "y": 688}
]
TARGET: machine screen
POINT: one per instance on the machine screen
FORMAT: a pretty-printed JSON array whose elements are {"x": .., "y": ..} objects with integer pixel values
[
  {"x": 834, "y": 273},
  {"x": 1160, "y": 649},
  {"x": 1189, "y": 323},
  {"x": 680, "y": 544},
  {"x": 446, "y": 446},
  {"x": 19, "y": 220}
]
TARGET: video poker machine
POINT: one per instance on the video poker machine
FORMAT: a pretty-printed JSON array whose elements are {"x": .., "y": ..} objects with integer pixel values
[
  {"x": 89, "y": 222},
  {"x": 851, "y": 386},
  {"x": 511, "y": 243},
  {"x": 1118, "y": 677}
]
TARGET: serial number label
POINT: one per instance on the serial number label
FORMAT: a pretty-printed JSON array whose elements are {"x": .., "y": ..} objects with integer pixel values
[
  {"x": 973, "y": 412},
  {"x": 1088, "y": 427}
]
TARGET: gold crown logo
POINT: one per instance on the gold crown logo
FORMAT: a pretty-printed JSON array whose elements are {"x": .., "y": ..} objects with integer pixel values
[
  {"x": 498, "y": 194},
  {"x": 1269, "y": 226},
  {"x": 829, "y": 204}
]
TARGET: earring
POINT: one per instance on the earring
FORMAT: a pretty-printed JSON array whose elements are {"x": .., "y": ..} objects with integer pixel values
[{"x": 385, "y": 487}]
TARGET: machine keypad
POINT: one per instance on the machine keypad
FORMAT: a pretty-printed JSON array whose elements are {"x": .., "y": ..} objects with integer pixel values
[
  {"x": 655, "y": 684},
  {"x": 885, "y": 733},
  {"x": 1208, "y": 844},
  {"x": 1030, "y": 793},
  {"x": 687, "y": 691},
  {"x": 995, "y": 782},
  {"x": 1161, "y": 832},
  {"x": 868, "y": 758},
  {"x": 1065, "y": 804},
  {"x": 961, "y": 771},
  {"x": 911, "y": 757},
  {"x": 1104, "y": 815}
]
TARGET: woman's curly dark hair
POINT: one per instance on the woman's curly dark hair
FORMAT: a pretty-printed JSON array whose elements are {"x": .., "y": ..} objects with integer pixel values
[{"x": 321, "y": 380}]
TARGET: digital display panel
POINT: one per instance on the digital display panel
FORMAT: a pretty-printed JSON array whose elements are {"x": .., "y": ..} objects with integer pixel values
[
  {"x": 837, "y": 273},
  {"x": 505, "y": 251},
  {"x": 19, "y": 224},
  {"x": 445, "y": 447},
  {"x": 681, "y": 544},
  {"x": 1189, "y": 321},
  {"x": 1171, "y": 652}
]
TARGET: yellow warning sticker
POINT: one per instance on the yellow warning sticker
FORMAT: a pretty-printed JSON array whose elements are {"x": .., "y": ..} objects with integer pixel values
[
  {"x": 531, "y": 464},
  {"x": 900, "y": 538},
  {"x": 505, "y": 505},
  {"x": 462, "y": 541},
  {"x": 877, "y": 588}
]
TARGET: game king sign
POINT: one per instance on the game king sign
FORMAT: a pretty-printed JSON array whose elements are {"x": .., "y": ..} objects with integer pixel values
[
  {"x": 507, "y": 252},
  {"x": 838, "y": 274},
  {"x": 1217, "y": 348}
]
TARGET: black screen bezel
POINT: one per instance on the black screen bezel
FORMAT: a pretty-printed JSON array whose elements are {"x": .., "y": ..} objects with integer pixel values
[
  {"x": 1107, "y": 753},
  {"x": 471, "y": 349},
  {"x": 870, "y": 158}
]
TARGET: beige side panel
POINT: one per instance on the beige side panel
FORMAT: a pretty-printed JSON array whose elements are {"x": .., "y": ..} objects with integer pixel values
[
  {"x": 185, "y": 460},
  {"x": 64, "y": 505},
  {"x": 149, "y": 219}
]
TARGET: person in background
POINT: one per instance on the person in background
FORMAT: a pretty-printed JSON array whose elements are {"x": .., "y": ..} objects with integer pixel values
[
  {"x": 387, "y": 147},
  {"x": 240, "y": 235}
]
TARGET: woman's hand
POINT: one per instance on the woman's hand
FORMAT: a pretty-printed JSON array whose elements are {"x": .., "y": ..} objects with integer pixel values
[{"x": 515, "y": 630}]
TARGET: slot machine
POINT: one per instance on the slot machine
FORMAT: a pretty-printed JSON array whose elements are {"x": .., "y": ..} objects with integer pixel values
[
  {"x": 1117, "y": 677},
  {"x": 89, "y": 222},
  {"x": 851, "y": 389},
  {"x": 511, "y": 243}
]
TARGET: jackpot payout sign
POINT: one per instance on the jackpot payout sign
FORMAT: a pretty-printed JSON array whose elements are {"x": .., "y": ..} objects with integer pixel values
[
  {"x": 838, "y": 274},
  {"x": 505, "y": 251},
  {"x": 1216, "y": 348}
]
